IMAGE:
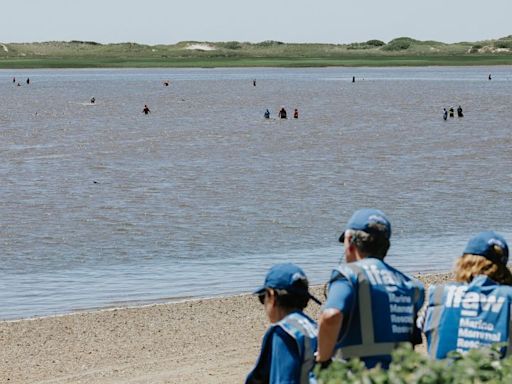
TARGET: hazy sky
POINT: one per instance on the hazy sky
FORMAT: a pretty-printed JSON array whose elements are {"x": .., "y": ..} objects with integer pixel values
[{"x": 329, "y": 21}]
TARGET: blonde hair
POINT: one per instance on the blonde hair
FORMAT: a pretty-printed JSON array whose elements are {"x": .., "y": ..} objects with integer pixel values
[{"x": 468, "y": 266}]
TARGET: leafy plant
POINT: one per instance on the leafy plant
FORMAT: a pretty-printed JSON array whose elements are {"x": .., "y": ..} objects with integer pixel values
[{"x": 409, "y": 367}]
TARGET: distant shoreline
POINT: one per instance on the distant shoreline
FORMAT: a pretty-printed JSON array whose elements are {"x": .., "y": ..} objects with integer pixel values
[
  {"x": 285, "y": 62},
  {"x": 402, "y": 51}
]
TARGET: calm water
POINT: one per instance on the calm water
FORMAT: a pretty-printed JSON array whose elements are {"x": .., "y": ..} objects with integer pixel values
[{"x": 104, "y": 206}]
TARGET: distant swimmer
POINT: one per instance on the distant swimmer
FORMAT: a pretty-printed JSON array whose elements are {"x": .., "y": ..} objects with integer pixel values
[
  {"x": 266, "y": 115},
  {"x": 490, "y": 77},
  {"x": 452, "y": 112},
  {"x": 353, "y": 79},
  {"x": 254, "y": 82},
  {"x": 146, "y": 109},
  {"x": 445, "y": 114},
  {"x": 19, "y": 85},
  {"x": 282, "y": 113},
  {"x": 93, "y": 100},
  {"x": 459, "y": 112},
  {"x": 296, "y": 113},
  {"x": 28, "y": 80},
  {"x": 166, "y": 83},
  {"x": 13, "y": 80}
]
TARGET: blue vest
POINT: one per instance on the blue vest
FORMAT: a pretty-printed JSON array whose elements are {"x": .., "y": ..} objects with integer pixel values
[
  {"x": 384, "y": 313},
  {"x": 460, "y": 317},
  {"x": 303, "y": 331}
]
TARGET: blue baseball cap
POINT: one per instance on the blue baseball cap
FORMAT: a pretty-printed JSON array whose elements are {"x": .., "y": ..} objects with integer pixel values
[
  {"x": 286, "y": 277},
  {"x": 369, "y": 220},
  {"x": 490, "y": 245}
]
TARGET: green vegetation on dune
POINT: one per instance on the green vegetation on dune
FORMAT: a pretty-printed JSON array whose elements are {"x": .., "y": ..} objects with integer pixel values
[{"x": 402, "y": 51}]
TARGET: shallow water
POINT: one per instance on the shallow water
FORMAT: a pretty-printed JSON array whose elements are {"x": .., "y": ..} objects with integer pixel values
[{"x": 101, "y": 205}]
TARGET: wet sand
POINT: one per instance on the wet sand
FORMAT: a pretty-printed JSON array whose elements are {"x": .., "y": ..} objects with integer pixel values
[{"x": 202, "y": 341}]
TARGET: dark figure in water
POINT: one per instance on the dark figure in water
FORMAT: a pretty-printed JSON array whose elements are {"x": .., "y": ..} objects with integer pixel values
[
  {"x": 13, "y": 79},
  {"x": 266, "y": 115},
  {"x": 93, "y": 100},
  {"x": 353, "y": 79},
  {"x": 445, "y": 114},
  {"x": 28, "y": 80},
  {"x": 490, "y": 77},
  {"x": 296, "y": 113},
  {"x": 254, "y": 82},
  {"x": 166, "y": 83},
  {"x": 459, "y": 112},
  {"x": 282, "y": 113},
  {"x": 452, "y": 112},
  {"x": 146, "y": 109}
]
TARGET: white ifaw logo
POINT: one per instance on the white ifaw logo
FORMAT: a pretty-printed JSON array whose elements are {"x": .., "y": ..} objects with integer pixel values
[{"x": 458, "y": 297}]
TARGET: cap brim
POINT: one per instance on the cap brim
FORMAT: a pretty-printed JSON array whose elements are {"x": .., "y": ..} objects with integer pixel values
[{"x": 259, "y": 291}]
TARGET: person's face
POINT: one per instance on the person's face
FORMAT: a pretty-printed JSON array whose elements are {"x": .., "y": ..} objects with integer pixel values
[{"x": 268, "y": 299}]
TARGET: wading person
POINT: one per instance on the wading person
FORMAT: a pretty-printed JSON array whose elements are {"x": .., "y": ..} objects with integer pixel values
[
  {"x": 146, "y": 109},
  {"x": 371, "y": 307},
  {"x": 474, "y": 311},
  {"x": 282, "y": 113},
  {"x": 288, "y": 347}
]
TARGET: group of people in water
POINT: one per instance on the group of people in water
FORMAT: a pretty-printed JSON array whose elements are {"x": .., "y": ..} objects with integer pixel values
[
  {"x": 282, "y": 114},
  {"x": 451, "y": 112},
  {"x": 371, "y": 307}
]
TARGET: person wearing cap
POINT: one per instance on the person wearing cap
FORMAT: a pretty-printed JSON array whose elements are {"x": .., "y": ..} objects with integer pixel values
[
  {"x": 289, "y": 344},
  {"x": 371, "y": 307},
  {"x": 474, "y": 311}
]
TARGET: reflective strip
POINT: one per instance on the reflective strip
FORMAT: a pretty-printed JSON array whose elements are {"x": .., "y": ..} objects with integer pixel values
[
  {"x": 509, "y": 347},
  {"x": 436, "y": 319},
  {"x": 300, "y": 324},
  {"x": 375, "y": 349}
]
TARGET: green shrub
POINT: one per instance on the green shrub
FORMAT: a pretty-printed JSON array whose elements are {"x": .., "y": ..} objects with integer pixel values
[
  {"x": 503, "y": 44},
  {"x": 230, "y": 45},
  {"x": 375, "y": 43},
  {"x": 409, "y": 367},
  {"x": 269, "y": 43},
  {"x": 399, "y": 44}
]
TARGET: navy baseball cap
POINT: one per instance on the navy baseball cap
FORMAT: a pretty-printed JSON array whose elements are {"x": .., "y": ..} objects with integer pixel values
[
  {"x": 369, "y": 220},
  {"x": 490, "y": 245},
  {"x": 286, "y": 277}
]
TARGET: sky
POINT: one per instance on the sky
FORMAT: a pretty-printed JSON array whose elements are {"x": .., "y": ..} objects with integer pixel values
[{"x": 294, "y": 21}]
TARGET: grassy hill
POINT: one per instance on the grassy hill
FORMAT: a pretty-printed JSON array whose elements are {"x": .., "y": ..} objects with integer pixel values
[{"x": 399, "y": 51}]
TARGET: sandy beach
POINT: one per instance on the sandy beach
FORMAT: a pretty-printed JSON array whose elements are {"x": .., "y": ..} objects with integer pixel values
[{"x": 200, "y": 341}]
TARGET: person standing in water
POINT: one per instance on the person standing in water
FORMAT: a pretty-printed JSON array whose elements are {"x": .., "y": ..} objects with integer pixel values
[
  {"x": 282, "y": 113},
  {"x": 28, "y": 81},
  {"x": 452, "y": 112},
  {"x": 296, "y": 113},
  {"x": 254, "y": 82},
  {"x": 445, "y": 114},
  {"x": 490, "y": 77},
  {"x": 266, "y": 115},
  {"x": 459, "y": 112},
  {"x": 93, "y": 100},
  {"x": 146, "y": 109}
]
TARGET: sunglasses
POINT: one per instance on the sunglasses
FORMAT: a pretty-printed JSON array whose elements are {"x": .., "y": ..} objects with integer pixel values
[{"x": 261, "y": 297}]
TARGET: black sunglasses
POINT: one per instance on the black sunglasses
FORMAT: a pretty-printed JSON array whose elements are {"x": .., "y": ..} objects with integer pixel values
[{"x": 261, "y": 297}]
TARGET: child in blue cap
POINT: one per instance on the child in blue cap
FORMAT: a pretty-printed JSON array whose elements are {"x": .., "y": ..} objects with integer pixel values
[
  {"x": 474, "y": 311},
  {"x": 288, "y": 347}
]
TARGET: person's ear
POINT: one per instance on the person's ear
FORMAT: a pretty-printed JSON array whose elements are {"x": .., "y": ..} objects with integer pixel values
[{"x": 271, "y": 297}]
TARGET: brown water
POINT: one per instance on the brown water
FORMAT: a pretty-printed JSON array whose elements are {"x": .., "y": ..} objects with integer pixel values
[{"x": 102, "y": 205}]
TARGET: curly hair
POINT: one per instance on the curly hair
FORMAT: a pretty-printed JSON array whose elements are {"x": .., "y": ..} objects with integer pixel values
[{"x": 468, "y": 266}]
